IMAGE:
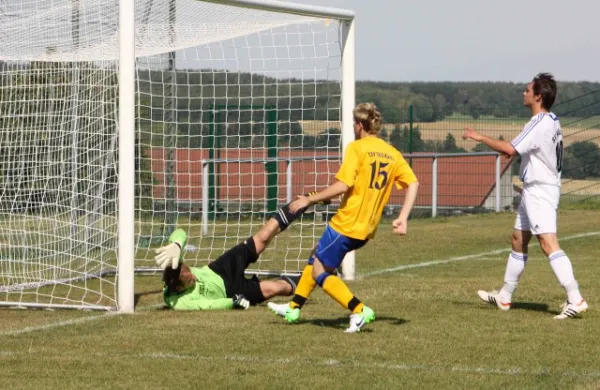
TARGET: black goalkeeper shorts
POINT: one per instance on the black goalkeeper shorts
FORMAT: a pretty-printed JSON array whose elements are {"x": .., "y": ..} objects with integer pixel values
[{"x": 231, "y": 266}]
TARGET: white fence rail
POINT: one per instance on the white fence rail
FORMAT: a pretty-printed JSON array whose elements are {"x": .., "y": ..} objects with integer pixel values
[{"x": 291, "y": 161}]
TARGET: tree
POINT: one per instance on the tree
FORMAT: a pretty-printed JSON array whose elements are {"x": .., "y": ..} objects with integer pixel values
[
  {"x": 303, "y": 100},
  {"x": 449, "y": 145},
  {"x": 481, "y": 147},
  {"x": 475, "y": 107},
  {"x": 580, "y": 160},
  {"x": 383, "y": 134},
  {"x": 330, "y": 139},
  {"x": 440, "y": 106},
  {"x": 289, "y": 134},
  {"x": 398, "y": 140},
  {"x": 308, "y": 142},
  {"x": 400, "y": 137},
  {"x": 418, "y": 144},
  {"x": 424, "y": 109}
]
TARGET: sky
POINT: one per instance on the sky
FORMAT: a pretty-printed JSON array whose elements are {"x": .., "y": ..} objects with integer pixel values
[{"x": 474, "y": 40}]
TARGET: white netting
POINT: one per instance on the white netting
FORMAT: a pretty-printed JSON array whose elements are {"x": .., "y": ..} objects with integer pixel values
[
  {"x": 213, "y": 82},
  {"x": 87, "y": 30}
]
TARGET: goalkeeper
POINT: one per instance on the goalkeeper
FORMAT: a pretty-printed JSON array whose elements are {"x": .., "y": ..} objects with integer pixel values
[{"x": 222, "y": 284}]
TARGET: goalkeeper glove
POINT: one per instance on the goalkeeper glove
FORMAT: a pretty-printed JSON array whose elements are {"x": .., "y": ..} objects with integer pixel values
[
  {"x": 171, "y": 254},
  {"x": 168, "y": 256},
  {"x": 240, "y": 302}
]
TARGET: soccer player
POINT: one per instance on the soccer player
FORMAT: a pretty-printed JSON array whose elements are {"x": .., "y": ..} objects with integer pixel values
[
  {"x": 540, "y": 146},
  {"x": 222, "y": 284},
  {"x": 370, "y": 168}
]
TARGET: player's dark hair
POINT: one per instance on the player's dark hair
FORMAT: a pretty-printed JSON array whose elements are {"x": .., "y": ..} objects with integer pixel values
[
  {"x": 179, "y": 279},
  {"x": 544, "y": 85}
]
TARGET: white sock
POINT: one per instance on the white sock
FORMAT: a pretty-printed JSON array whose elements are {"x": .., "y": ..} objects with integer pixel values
[
  {"x": 561, "y": 265},
  {"x": 514, "y": 269}
]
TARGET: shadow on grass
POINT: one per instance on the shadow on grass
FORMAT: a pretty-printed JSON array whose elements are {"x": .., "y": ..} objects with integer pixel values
[
  {"x": 532, "y": 306},
  {"x": 342, "y": 322},
  {"x": 136, "y": 297},
  {"x": 541, "y": 307}
]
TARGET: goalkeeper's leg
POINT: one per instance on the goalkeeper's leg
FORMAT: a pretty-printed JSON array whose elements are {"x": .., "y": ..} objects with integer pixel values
[
  {"x": 285, "y": 216},
  {"x": 291, "y": 310},
  {"x": 264, "y": 236},
  {"x": 275, "y": 225},
  {"x": 279, "y": 287},
  {"x": 257, "y": 291}
]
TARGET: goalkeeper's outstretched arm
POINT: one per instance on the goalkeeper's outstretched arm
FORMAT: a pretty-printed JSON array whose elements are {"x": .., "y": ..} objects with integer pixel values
[
  {"x": 191, "y": 302},
  {"x": 177, "y": 276},
  {"x": 172, "y": 254},
  {"x": 185, "y": 302}
]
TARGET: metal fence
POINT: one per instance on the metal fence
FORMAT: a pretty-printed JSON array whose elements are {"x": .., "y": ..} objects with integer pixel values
[
  {"x": 460, "y": 182},
  {"x": 427, "y": 129},
  {"x": 456, "y": 175},
  {"x": 581, "y": 133}
]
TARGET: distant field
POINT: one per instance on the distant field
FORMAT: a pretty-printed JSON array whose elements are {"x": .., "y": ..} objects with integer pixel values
[
  {"x": 574, "y": 129},
  {"x": 580, "y": 122},
  {"x": 431, "y": 332}
]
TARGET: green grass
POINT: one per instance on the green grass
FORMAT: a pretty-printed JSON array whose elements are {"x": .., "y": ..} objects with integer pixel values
[
  {"x": 575, "y": 202},
  {"x": 431, "y": 330}
]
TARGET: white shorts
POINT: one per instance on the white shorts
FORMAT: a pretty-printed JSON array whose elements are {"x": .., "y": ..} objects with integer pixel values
[{"x": 537, "y": 210}]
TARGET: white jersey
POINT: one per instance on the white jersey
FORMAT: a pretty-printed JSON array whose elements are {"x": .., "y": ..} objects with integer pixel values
[{"x": 540, "y": 145}]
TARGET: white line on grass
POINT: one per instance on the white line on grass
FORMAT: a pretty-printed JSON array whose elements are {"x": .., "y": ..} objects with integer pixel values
[
  {"x": 71, "y": 322},
  {"x": 59, "y": 324},
  {"x": 460, "y": 258},
  {"x": 511, "y": 371}
]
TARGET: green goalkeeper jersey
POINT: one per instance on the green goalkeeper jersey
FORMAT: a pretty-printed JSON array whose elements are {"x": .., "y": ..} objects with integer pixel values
[{"x": 208, "y": 293}]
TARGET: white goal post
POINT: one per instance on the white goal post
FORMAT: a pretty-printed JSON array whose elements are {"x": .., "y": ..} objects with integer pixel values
[{"x": 122, "y": 120}]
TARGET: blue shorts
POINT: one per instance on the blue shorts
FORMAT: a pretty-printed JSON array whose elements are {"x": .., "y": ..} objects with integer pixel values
[{"x": 333, "y": 246}]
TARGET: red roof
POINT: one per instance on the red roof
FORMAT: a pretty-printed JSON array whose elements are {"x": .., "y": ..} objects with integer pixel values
[{"x": 462, "y": 181}]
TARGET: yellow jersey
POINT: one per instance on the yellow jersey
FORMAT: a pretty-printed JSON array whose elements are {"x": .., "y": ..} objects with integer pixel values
[{"x": 370, "y": 167}]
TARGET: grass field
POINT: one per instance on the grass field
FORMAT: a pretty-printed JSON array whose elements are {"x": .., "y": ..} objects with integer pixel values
[{"x": 431, "y": 330}]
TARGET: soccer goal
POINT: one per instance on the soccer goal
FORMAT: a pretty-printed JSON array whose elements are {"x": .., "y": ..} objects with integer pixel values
[{"x": 122, "y": 120}]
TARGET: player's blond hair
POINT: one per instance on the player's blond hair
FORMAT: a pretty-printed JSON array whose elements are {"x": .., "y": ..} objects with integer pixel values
[{"x": 369, "y": 116}]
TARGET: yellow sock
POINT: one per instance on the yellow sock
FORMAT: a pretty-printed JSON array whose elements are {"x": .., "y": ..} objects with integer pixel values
[
  {"x": 304, "y": 288},
  {"x": 337, "y": 289}
]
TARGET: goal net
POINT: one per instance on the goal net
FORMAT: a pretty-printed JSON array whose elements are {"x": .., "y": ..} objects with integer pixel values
[{"x": 238, "y": 109}]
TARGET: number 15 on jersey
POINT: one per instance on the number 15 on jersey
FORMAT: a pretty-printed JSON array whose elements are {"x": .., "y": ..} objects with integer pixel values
[{"x": 379, "y": 175}]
